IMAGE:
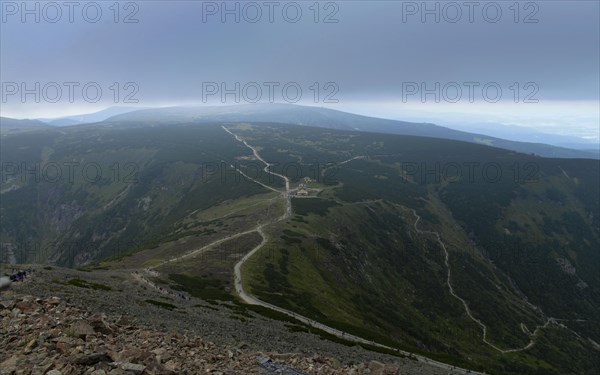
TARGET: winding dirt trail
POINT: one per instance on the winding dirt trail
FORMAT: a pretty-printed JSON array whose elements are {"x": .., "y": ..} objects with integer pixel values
[
  {"x": 249, "y": 299},
  {"x": 466, "y": 306},
  {"x": 257, "y": 155}
]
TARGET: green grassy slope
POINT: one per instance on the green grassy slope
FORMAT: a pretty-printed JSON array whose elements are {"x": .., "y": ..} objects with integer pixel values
[{"x": 516, "y": 228}]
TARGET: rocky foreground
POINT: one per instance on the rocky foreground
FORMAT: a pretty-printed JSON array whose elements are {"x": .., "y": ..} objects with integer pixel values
[
  {"x": 51, "y": 327},
  {"x": 49, "y": 336}
]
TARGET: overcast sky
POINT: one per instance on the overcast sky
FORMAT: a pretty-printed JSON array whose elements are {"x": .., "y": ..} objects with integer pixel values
[{"x": 377, "y": 57}]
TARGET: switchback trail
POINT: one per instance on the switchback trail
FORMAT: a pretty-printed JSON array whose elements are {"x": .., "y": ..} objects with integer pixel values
[
  {"x": 466, "y": 306},
  {"x": 249, "y": 299}
]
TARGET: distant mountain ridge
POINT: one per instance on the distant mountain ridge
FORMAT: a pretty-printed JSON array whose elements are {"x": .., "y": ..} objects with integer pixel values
[
  {"x": 11, "y": 125},
  {"x": 333, "y": 119},
  {"x": 88, "y": 118},
  {"x": 518, "y": 133},
  {"x": 320, "y": 117}
]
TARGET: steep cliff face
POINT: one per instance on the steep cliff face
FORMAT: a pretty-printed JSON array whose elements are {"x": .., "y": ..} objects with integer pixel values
[
  {"x": 79, "y": 195},
  {"x": 64, "y": 215}
]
